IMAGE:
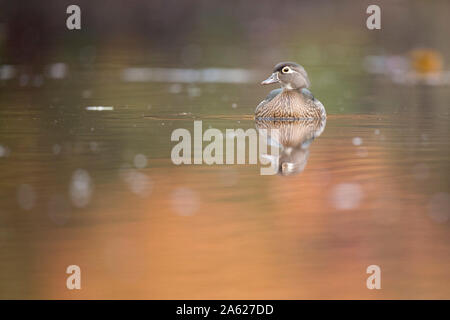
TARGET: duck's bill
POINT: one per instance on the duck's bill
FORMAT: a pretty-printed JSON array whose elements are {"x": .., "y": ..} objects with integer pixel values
[{"x": 272, "y": 79}]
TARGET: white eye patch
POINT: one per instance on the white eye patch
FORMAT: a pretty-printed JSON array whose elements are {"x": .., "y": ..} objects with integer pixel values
[{"x": 287, "y": 70}]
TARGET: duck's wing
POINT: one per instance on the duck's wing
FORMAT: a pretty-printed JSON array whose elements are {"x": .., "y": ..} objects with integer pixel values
[
  {"x": 308, "y": 93},
  {"x": 273, "y": 94},
  {"x": 270, "y": 97},
  {"x": 317, "y": 103}
]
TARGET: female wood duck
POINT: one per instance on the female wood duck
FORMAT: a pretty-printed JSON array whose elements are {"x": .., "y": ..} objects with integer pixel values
[{"x": 293, "y": 100}]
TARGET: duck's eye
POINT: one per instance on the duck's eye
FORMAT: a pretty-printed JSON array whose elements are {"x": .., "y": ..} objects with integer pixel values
[{"x": 285, "y": 69}]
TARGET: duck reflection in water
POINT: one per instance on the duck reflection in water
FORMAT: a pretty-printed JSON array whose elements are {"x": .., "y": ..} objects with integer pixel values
[{"x": 293, "y": 139}]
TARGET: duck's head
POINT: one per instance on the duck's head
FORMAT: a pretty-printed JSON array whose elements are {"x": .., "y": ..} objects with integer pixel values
[{"x": 290, "y": 75}]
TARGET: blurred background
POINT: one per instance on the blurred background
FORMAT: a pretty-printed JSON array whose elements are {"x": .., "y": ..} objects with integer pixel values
[{"x": 86, "y": 176}]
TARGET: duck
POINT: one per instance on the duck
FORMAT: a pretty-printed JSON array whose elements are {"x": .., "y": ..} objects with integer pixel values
[{"x": 293, "y": 100}]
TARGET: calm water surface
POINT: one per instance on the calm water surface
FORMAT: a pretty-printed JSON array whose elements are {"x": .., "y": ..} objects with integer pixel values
[{"x": 98, "y": 189}]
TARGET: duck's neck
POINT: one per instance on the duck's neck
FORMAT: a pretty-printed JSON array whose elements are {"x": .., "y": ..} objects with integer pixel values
[
  {"x": 291, "y": 90},
  {"x": 288, "y": 86}
]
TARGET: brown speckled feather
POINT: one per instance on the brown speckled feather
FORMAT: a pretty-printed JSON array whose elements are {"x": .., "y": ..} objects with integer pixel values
[{"x": 291, "y": 104}]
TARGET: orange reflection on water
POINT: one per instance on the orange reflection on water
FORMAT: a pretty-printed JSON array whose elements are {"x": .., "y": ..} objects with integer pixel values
[{"x": 258, "y": 237}]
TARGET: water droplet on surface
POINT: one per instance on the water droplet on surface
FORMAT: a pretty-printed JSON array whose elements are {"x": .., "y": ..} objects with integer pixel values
[
  {"x": 362, "y": 152},
  {"x": 346, "y": 196},
  {"x": 194, "y": 92},
  {"x": 184, "y": 201},
  {"x": 228, "y": 177},
  {"x": 7, "y": 72},
  {"x": 26, "y": 196},
  {"x": 357, "y": 141},
  {"x": 138, "y": 182},
  {"x": 80, "y": 188},
  {"x": 57, "y": 70},
  {"x": 3, "y": 151},
  {"x": 175, "y": 88},
  {"x": 56, "y": 149},
  {"x": 93, "y": 145},
  {"x": 140, "y": 161},
  {"x": 86, "y": 94}
]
